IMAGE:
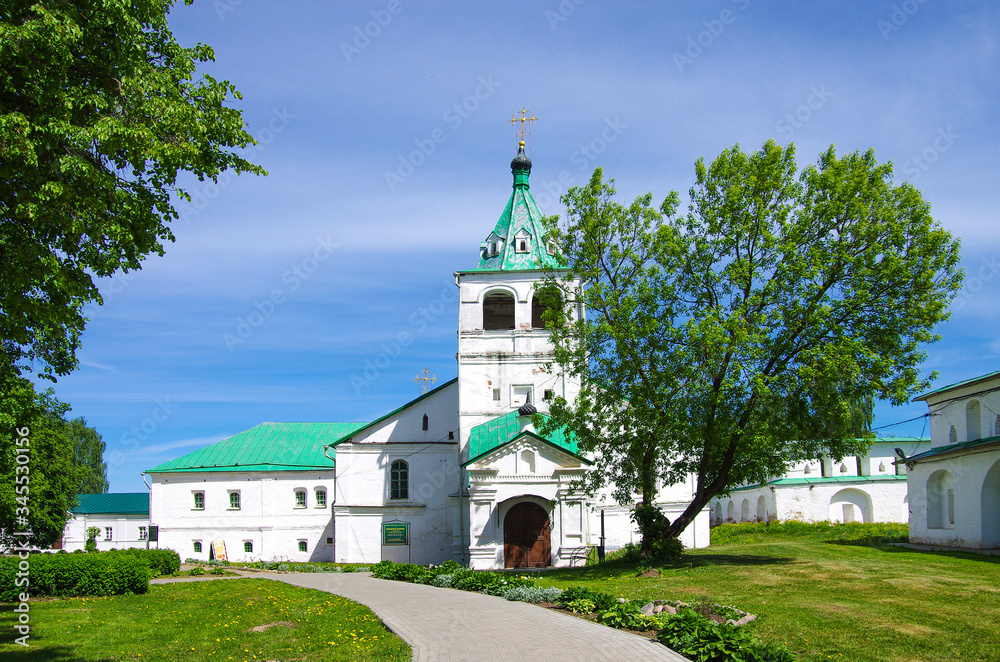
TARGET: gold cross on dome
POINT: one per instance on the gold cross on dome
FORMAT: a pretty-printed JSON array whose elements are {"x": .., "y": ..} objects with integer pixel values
[
  {"x": 424, "y": 379},
  {"x": 514, "y": 119}
]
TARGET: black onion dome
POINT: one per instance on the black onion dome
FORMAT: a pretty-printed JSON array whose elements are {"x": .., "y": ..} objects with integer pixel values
[
  {"x": 527, "y": 409},
  {"x": 521, "y": 161}
]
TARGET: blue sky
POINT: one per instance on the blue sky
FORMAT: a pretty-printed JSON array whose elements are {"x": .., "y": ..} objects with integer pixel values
[{"x": 383, "y": 126}]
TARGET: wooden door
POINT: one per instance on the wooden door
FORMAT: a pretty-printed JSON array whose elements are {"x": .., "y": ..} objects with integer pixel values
[{"x": 526, "y": 537}]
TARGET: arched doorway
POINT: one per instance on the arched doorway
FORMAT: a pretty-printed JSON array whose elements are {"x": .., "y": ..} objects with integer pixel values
[
  {"x": 526, "y": 537},
  {"x": 851, "y": 505},
  {"x": 991, "y": 508}
]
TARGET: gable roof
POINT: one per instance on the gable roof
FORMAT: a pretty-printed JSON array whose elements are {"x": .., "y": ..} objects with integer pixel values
[
  {"x": 265, "y": 447},
  {"x": 966, "y": 382},
  {"x": 491, "y": 435},
  {"x": 364, "y": 426},
  {"x": 122, "y": 503},
  {"x": 952, "y": 448},
  {"x": 521, "y": 215}
]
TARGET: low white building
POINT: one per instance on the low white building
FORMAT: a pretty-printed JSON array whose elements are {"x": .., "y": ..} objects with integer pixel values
[
  {"x": 955, "y": 485},
  {"x": 122, "y": 520},
  {"x": 870, "y": 488},
  {"x": 457, "y": 473}
]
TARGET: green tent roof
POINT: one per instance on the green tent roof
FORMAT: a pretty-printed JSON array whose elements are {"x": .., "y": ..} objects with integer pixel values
[
  {"x": 125, "y": 503},
  {"x": 520, "y": 218},
  {"x": 266, "y": 447},
  {"x": 491, "y": 435}
]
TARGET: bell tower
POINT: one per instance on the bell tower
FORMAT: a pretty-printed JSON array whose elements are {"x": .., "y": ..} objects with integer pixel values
[{"x": 502, "y": 343}]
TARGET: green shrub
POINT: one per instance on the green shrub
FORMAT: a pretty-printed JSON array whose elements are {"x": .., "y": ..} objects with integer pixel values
[
  {"x": 74, "y": 575},
  {"x": 160, "y": 561},
  {"x": 601, "y": 600},
  {"x": 626, "y": 616},
  {"x": 198, "y": 570},
  {"x": 532, "y": 594},
  {"x": 91, "y": 544},
  {"x": 216, "y": 570},
  {"x": 697, "y": 638},
  {"x": 580, "y": 606}
]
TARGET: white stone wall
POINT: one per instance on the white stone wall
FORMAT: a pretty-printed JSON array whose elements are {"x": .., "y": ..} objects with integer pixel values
[
  {"x": 268, "y": 516},
  {"x": 949, "y": 410},
  {"x": 363, "y": 501},
  {"x": 124, "y": 531},
  {"x": 868, "y": 501}
]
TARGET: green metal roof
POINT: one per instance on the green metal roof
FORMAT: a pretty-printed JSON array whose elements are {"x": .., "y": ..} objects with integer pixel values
[
  {"x": 266, "y": 447},
  {"x": 491, "y": 435},
  {"x": 521, "y": 215},
  {"x": 364, "y": 426},
  {"x": 953, "y": 448},
  {"x": 823, "y": 479},
  {"x": 965, "y": 382},
  {"x": 124, "y": 503}
]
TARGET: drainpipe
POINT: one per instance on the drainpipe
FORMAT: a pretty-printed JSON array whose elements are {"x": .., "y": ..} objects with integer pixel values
[{"x": 150, "y": 488}]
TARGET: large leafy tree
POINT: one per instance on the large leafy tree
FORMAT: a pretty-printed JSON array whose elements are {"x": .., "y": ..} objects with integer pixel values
[
  {"x": 88, "y": 455},
  {"x": 100, "y": 110},
  {"x": 754, "y": 331},
  {"x": 37, "y": 491}
]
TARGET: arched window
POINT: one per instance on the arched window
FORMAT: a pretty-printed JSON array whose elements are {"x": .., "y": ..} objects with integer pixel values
[
  {"x": 940, "y": 500},
  {"x": 498, "y": 311},
  {"x": 425, "y": 423},
  {"x": 399, "y": 480},
  {"x": 973, "y": 421},
  {"x": 540, "y": 302}
]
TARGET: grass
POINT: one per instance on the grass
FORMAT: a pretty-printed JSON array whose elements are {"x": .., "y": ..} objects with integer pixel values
[
  {"x": 201, "y": 621},
  {"x": 829, "y": 592}
]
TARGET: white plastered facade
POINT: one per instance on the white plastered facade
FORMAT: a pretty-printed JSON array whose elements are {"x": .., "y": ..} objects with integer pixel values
[{"x": 955, "y": 488}]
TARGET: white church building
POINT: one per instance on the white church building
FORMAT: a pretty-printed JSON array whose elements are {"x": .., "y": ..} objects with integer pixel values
[
  {"x": 955, "y": 485},
  {"x": 457, "y": 473}
]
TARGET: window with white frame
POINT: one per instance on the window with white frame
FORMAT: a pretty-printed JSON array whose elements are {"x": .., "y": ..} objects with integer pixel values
[
  {"x": 234, "y": 500},
  {"x": 321, "y": 498}
]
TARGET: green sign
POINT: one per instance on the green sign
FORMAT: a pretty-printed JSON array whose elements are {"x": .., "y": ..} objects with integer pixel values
[{"x": 395, "y": 533}]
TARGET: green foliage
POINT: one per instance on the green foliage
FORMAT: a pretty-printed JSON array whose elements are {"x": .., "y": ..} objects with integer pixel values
[
  {"x": 74, "y": 575},
  {"x": 91, "y": 544},
  {"x": 697, "y": 638},
  {"x": 88, "y": 455},
  {"x": 198, "y": 570},
  {"x": 580, "y": 606},
  {"x": 599, "y": 599},
  {"x": 750, "y": 333},
  {"x": 41, "y": 487},
  {"x": 160, "y": 561},
  {"x": 218, "y": 570},
  {"x": 100, "y": 111},
  {"x": 626, "y": 616},
  {"x": 658, "y": 541},
  {"x": 532, "y": 594}
]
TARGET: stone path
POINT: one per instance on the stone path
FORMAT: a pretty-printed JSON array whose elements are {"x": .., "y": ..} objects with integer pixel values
[{"x": 447, "y": 625}]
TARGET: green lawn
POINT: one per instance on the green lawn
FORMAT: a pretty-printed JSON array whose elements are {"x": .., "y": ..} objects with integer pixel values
[
  {"x": 200, "y": 621},
  {"x": 830, "y": 601}
]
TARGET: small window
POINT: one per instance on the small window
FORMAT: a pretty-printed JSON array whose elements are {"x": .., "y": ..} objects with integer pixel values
[
  {"x": 551, "y": 247},
  {"x": 329, "y": 541},
  {"x": 199, "y": 501},
  {"x": 881, "y": 467},
  {"x": 197, "y": 546},
  {"x": 843, "y": 468},
  {"x": 303, "y": 546},
  {"x": 451, "y": 434},
  {"x": 300, "y": 498},
  {"x": 247, "y": 546},
  {"x": 548, "y": 395},
  {"x": 321, "y": 498},
  {"x": 522, "y": 395},
  {"x": 142, "y": 533},
  {"x": 399, "y": 480},
  {"x": 496, "y": 395},
  {"x": 425, "y": 423},
  {"x": 107, "y": 533},
  {"x": 808, "y": 469},
  {"x": 234, "y": 500}
]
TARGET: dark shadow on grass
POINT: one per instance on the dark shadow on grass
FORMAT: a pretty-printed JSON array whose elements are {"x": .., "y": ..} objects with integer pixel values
[
  {"x": 611, "y": 569},
  {"x": 896, "y": 548},
  {"x": 34, "y": 653}
]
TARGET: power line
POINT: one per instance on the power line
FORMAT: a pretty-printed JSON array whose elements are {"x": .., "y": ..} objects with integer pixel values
[{"x": 891, "y": 425}]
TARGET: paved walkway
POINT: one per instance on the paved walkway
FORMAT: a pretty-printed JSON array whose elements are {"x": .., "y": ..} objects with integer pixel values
[{"x": 448, "y": 625}]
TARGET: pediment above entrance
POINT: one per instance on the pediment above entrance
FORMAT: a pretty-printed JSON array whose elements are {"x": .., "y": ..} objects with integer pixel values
[{"x": 526, "y": 458}]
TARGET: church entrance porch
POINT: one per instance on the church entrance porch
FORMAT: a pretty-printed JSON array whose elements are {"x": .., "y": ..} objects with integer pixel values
[{"x": 527, "y": 537}]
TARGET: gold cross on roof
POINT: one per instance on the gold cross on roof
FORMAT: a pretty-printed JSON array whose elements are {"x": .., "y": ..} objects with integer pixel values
[
  {"x": 424, "y": 379},
  {"x": 514, "y": 119}
]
